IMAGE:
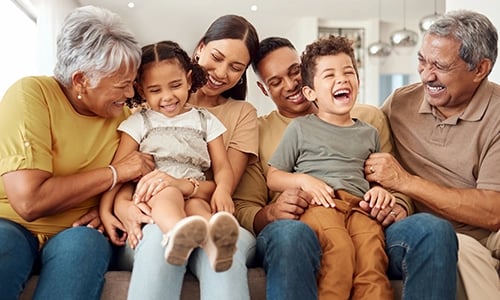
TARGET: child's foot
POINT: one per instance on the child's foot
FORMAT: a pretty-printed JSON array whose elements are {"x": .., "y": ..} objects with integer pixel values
[
  {"x": 223, "y": 231},
  {"x": 186, "y": 235}
]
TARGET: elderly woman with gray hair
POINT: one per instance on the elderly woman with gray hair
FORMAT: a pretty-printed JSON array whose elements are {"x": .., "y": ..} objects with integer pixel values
[{"x": 58, "y": 139}]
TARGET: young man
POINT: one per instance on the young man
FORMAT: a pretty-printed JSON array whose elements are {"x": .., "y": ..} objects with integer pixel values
[
  {"x": 273, "y": 217},
  {"x": 447, "y": 135}
]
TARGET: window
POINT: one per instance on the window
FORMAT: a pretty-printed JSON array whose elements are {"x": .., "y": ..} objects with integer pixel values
[
  {"x": 390, "y": 82},
  {"x": 18, "y": 54}
]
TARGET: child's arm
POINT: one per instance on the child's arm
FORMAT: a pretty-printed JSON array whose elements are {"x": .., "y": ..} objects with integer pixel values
[
  {"x": 223, "y": 175},
  {"x": 379, "y": 198},
  {"x": 111, "y": 224},
  {"x": 322, "y": 193}
]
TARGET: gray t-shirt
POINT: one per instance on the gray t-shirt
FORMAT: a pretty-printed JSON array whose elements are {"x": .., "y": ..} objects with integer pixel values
[{"x": 330, "y": 153}]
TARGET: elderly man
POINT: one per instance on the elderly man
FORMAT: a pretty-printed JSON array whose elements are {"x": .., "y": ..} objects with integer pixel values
[{"x": 446, "y": 131}]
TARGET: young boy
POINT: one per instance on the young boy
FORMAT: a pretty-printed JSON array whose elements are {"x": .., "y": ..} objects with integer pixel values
[{"x": 323, "y": 154}]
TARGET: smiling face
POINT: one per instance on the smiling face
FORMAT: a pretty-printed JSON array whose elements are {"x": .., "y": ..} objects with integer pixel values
[
  {"x": 225, "y": 61},
  {"x": 107, "y": 98},
  {"x": 165, "y": 86},
  {"x": 335, "y": 88},
  {"x": 279, "y": 71},
  {"x": 449, "y": 84}
]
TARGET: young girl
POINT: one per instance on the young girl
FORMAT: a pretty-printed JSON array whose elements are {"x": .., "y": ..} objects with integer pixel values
[
  {"x": 177, "y": 137},
  {"x": 225, "y": 52}
]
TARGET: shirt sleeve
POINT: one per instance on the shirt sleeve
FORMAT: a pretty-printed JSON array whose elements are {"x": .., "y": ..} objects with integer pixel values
[
  {"x": 215, "y": 128},
  {"x": 25, "y": 122},
  {"x": 250, "y": 195},
  {"x": 133, "y": 126},
  {"x": 285, "y": 156}
]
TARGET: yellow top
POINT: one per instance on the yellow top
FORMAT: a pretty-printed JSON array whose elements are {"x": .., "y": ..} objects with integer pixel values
[{"x": 41, "y": 130}]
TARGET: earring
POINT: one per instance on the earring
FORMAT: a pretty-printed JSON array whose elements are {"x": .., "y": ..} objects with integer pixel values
[
  {"x": 241, "y": 81},
  {"x": 196, "y": 58},
  {"x": 79, "y": 97}
]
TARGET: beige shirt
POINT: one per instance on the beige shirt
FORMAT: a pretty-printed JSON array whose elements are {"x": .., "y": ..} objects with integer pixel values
[
  {"x": 462, "y": 151},
  {"x": 240, "y": 119}
]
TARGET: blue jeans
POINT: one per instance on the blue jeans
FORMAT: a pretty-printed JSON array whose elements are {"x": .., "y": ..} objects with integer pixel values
[
  {"x": 422, "y": 251},
  {"x": 153, "y": 278},
  {"x": 72, "y": 263},
  {"x": 291, "y": 256}
]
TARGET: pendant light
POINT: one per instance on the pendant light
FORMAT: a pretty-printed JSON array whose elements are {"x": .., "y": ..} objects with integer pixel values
[
  {"x": 404, "y": 37},
  {"x": 379, "y": 49},
  {"x": 427, "y": 21}
]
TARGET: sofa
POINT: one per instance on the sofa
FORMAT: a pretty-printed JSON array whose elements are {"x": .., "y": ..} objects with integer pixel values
[{"x": 116, "y": 285}]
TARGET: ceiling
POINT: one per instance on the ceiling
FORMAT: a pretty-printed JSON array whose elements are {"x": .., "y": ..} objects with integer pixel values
[{"x": 185, "y": 21}]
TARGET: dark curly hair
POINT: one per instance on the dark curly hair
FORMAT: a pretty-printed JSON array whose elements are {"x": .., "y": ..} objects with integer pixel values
[
  {"x": 168, "y": 50},
  {"x": 330, "y": 45}
]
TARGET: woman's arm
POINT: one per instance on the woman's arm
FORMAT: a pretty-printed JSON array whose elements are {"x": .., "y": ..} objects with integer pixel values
[
  {"x": 238, "y": 161},
  {"x": 126, "y": 146},
  {"x": 35, "y": 193},
  {"x": 223, "y": 176}
]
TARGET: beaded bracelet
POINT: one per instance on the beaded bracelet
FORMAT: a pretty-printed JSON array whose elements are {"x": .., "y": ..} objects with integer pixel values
[
  {"x": 115, "y": 177},
  {"x": 196, "y": 186}
]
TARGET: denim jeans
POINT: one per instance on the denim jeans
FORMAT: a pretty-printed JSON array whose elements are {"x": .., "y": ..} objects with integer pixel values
[
  {"x": 290, "y": 254},
  {"x": 72, "y": 263},
  {"x": 422, "y": 251},
  {"x": 153, "y": 278}
]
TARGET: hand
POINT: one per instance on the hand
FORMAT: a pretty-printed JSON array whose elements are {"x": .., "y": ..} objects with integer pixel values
[
  {"x": 322, "y": 193},
  {"x": 385, "y": 170},
  {"x": 291, "y": 204},
  {"x": 385, "y": 216},
  {"x": 379, "y": 198},
  {"x": 90, "y": 219},
  {"x": 133, "y": 224},
  {"x": 221, "y": 201},
  {"x": 133, "y": 166},
  {"x": 151, "y": 184},
  {"x": 114, "y": 229}
]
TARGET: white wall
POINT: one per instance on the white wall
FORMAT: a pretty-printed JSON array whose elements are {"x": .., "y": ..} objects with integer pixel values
[{"x": 51, "y": 14}]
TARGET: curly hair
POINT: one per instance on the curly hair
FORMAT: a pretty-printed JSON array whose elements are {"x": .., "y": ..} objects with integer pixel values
[{"x": 330, "y": 45}]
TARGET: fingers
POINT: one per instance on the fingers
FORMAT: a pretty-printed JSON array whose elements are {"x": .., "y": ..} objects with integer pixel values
[
  {"x": 88, "y": 218},
  {"x": 150, "y": 185},
  {"x": 385, "y": 216},
  {"x": 146, "y": 211}
]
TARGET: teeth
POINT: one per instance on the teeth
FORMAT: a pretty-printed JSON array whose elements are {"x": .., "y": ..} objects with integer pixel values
[
  {"x": 341, "y": 92},
  {"x": 215, "y": 81},
  {"x": 435, "y": 88},
  {"x": 295, "y": 96}
]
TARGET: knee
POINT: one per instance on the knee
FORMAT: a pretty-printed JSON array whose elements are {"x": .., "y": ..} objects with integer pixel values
[
  {"x": 15, "y": 238},
  {"x": 423, "y": 231},
  {"x": 437, "y": 230},
  {"x": 83, "y": 242},
  {"x": 290, "y": 237}
]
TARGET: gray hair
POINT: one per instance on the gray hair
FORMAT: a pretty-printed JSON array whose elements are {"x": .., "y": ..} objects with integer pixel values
[
  {"x": 475, "y": 32},
  {"x": 96, "y": 42}
]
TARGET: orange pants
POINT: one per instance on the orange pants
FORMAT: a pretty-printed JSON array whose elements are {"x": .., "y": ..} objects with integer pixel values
[{"x": 354, "y": 263}]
